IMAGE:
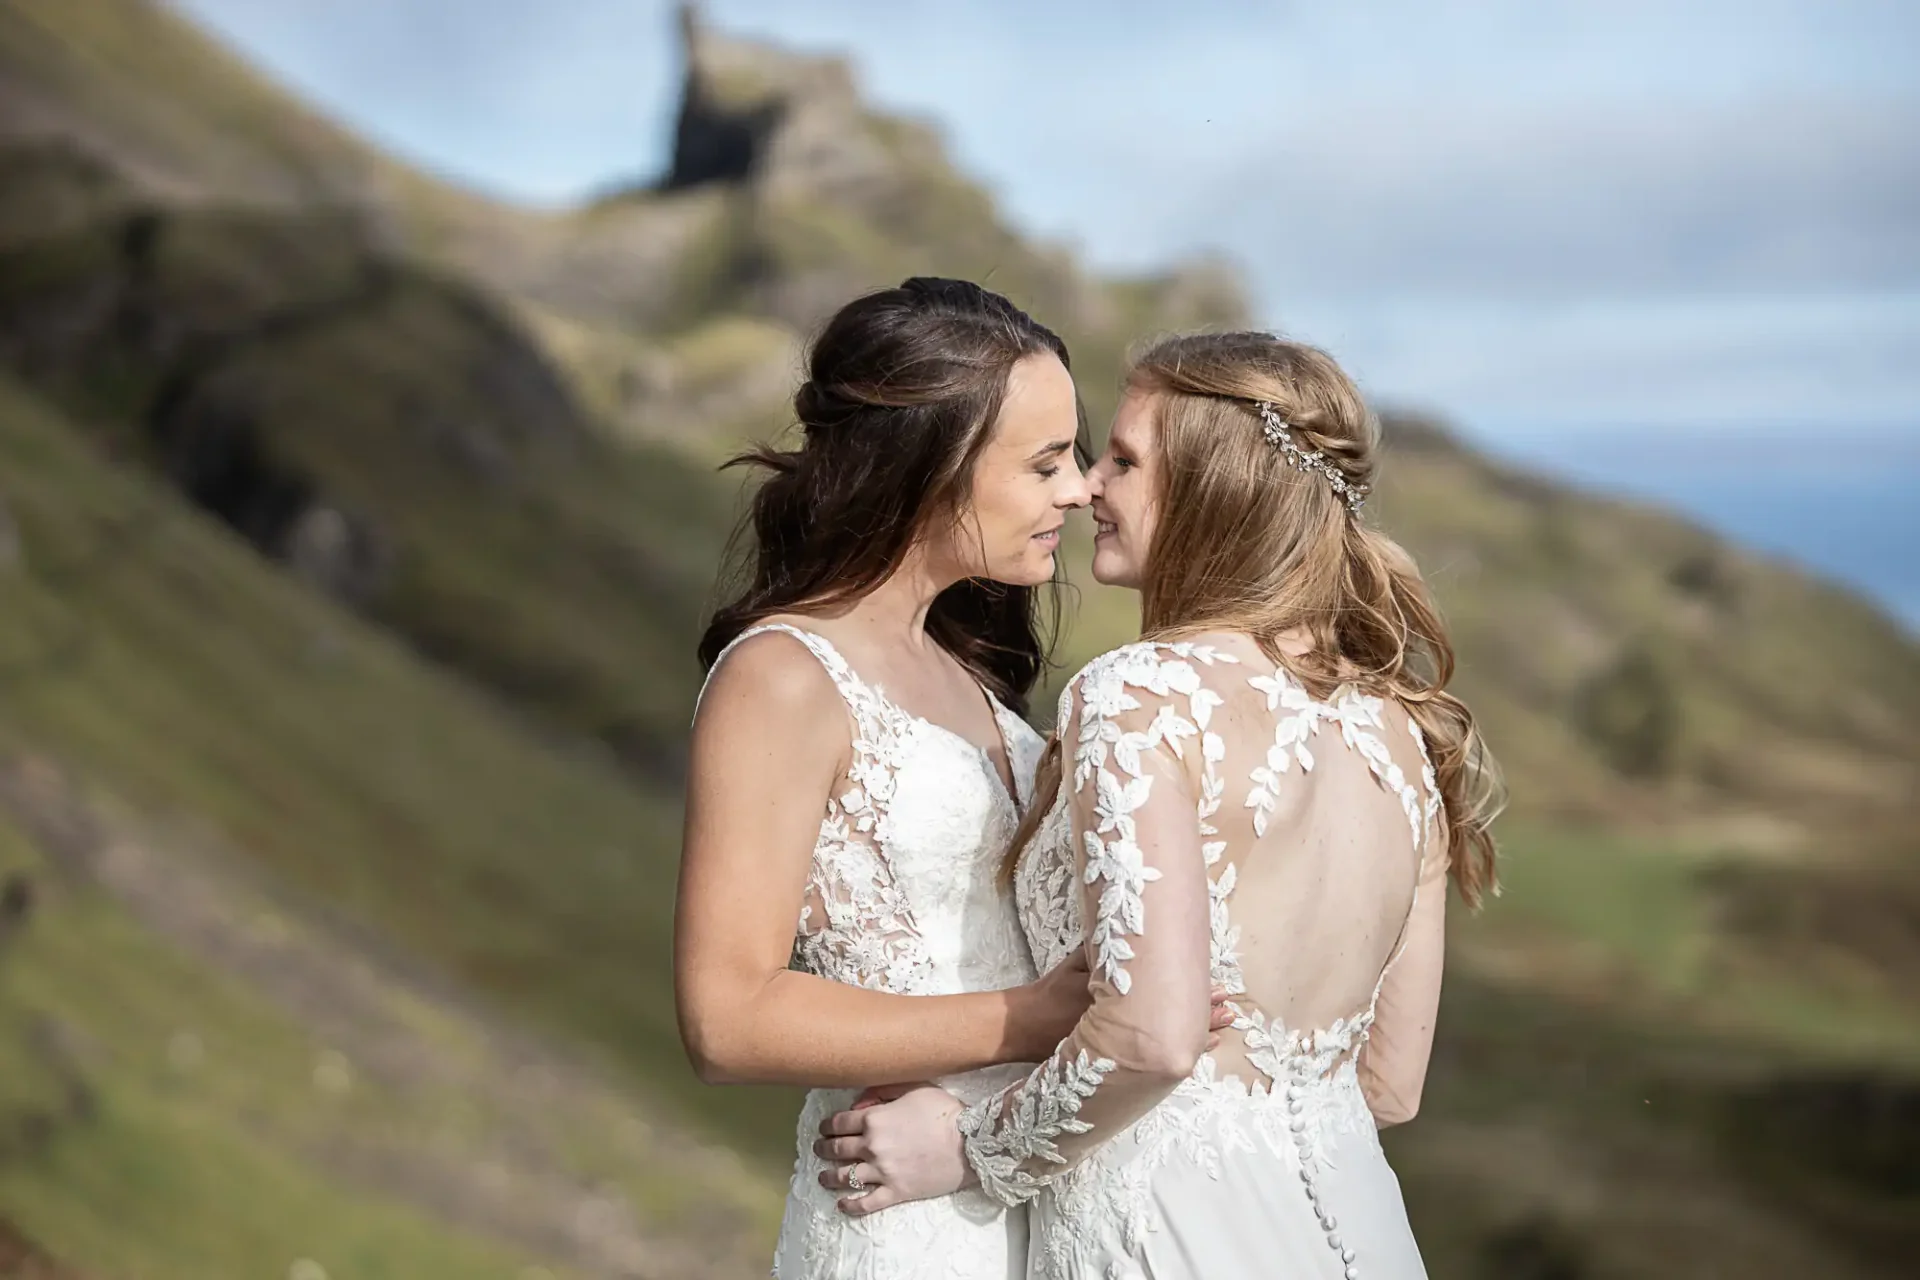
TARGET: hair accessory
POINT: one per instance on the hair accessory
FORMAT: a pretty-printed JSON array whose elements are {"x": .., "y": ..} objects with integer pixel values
[{"x": 1280, "y": 436}]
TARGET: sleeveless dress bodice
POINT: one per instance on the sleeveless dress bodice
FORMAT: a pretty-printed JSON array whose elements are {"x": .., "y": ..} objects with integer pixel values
[{"x": 904, "y": 895}]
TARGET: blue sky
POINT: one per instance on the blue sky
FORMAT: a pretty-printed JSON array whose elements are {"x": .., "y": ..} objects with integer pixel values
[{"x": 1532, "y": 217}]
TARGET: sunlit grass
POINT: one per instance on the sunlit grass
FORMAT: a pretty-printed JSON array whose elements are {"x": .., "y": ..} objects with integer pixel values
[
  {"x": 1637, "y": 922},
  {"x": 195, "y": 1153},
  {"x": 204, "y": 686}
]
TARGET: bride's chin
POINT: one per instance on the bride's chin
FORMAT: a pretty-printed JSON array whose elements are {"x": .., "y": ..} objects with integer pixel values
[{"x": 1034, "y": 574}]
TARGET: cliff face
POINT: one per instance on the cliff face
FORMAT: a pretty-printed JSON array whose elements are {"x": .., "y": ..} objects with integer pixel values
[{"x": 754, "y": 113}]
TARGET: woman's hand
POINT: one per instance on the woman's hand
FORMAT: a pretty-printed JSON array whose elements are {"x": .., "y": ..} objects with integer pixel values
[
  {"x": 1060, "y": 998},
  {"x": 900, "y": 1142},
  {"x": 1223, "y": 1013}
]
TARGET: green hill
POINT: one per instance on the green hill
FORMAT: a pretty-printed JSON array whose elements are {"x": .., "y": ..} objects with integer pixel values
[
  {"x": 389, "y": 433},
  {"x": 252, "y": 737},
  {"x": 354, "y": 533}
]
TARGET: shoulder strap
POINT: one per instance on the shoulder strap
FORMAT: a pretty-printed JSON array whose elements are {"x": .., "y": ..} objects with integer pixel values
[
  {"x": 838, "y": 671},
  {"x": 879, "y": 728}
]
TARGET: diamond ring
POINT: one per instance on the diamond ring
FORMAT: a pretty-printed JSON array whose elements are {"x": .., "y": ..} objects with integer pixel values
[{"x": 853, "y": 1178}]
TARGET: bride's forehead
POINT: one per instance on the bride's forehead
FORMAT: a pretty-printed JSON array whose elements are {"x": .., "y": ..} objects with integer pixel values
[
  {"x": 1039, "y": 405},
  {"x": 1133, "y": 422}
]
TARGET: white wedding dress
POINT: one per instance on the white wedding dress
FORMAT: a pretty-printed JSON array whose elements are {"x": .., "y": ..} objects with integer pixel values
[
  {"x": 904, "y": 896},
  {"x": 1214, "y": 816}
]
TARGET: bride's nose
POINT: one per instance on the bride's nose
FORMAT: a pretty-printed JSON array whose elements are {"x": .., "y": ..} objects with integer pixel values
[{"x": 1077, "y": 491}]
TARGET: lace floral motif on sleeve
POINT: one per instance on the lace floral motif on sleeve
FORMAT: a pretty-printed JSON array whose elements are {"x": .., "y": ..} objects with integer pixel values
[
  {"x": 1003, "y": 1136},
  {"x": 1021, "y": 1138},
  {"x": 1225, "y": 941},
  {"x": 1112, "y": 848},
  {"x": 1113, "y": 855}
]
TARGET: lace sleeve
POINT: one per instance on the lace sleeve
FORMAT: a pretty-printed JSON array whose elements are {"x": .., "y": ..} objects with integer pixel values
[
  {"x": 1137, "y": 800},
  {"x": 1393, "y": 1070}
]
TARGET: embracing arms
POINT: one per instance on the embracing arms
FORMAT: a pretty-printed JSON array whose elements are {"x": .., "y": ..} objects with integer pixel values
[
  {"x": 1143, "y": 881},
  {"x": 1145, "y": 893},
  {"x": 770, "y": 745}
]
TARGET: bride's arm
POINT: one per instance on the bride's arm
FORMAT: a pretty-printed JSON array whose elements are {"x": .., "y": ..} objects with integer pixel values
[
  {"x": 770, "y": 745},
  {"x": 1393, "y": 1066},
  {"x": 1145, "y": 889}
]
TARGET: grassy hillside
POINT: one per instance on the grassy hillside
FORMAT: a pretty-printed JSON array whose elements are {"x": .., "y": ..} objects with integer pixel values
[
  {"x": 175, "y": 110},
  {"x": 1644, "y": 1071},
  {"x": 147, "y": 1163},
  {"x": 249, "y": 725},
  {"x": 145, "y": 645},
  {"x": 393, "y": 435},
  {"x": 1630, "y": 664},
  {"x": 354, "y": 532}
]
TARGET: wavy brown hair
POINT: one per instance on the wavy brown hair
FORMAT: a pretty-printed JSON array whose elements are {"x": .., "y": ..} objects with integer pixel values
[
  {"x": 1246, "y": 542},
  {"x": 903, "y": 387}
]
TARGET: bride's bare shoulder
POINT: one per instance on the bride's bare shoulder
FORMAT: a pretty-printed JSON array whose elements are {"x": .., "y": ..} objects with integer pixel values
[{"x": 776, "y": 674}]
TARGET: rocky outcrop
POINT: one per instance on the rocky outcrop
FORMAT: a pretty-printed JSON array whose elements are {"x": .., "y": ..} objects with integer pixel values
[
  {"x": 52, "y": 185},
  {"x": 225, "y": 327},
  {"x": 732, "y": 104},
  {"x": 786, "y": 192},
  {"x": 827, "y": 197},
  {"x": 792, "y": 125}
]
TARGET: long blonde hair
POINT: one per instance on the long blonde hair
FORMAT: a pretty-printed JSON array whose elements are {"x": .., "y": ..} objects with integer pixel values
[{"x": 1247, "y": 542}]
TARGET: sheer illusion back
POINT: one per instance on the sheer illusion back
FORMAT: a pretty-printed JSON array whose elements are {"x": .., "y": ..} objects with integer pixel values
[
  {"x": 1214, "y": 820},
  {"x": 1316, "y": 869}
]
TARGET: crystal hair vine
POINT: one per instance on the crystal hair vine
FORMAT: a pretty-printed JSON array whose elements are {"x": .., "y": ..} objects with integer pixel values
[{"x": 1280, "y": 436}]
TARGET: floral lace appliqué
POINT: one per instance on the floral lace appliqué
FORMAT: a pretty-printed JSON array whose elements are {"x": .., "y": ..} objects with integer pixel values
[
  {"x": 1011, "y": 1141},
  {"x": 1306, "y": 1101}
]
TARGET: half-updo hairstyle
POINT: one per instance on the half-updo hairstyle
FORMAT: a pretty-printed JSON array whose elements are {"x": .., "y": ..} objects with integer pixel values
[
  {"x": 903, "y": 387},
  {"x": 1250, "y": 537}
]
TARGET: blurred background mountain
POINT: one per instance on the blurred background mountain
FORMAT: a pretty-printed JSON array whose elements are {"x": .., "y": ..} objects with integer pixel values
[{"x": 355, "y": 529}]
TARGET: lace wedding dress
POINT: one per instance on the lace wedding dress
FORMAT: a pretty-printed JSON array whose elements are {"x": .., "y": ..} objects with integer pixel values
[
  {"x": 1215, "y": 820},
  {"x": 904, "y": 896}
]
